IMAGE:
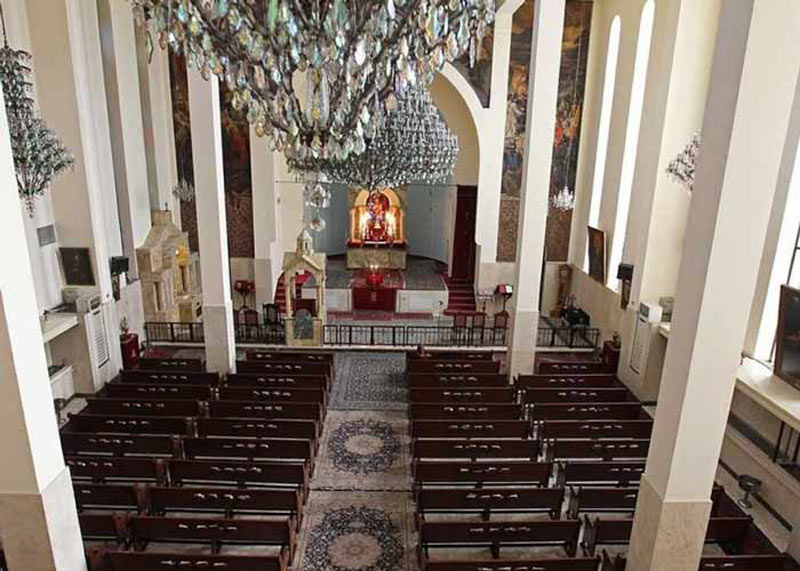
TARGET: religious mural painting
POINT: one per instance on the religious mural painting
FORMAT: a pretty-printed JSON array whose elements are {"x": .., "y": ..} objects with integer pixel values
[
  {"x": 479, "y": 75},
  {"x": 572, "y": 82}
]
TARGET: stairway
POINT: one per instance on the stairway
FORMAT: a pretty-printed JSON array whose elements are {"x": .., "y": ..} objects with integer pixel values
[
  {"x": 280, "y": 295},
  {"x": 461, "y": 297}
]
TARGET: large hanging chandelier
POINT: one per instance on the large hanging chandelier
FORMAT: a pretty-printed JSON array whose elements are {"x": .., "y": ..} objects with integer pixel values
[
  {"x": 350, "y": 59},
  {"x": 415, "y": 145}
]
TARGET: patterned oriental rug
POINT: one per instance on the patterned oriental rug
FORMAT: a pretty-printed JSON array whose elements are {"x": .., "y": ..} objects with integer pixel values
[{"x": 369, "y": 381}]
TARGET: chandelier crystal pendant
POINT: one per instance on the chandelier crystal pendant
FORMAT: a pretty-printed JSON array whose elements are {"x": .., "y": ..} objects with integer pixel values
[
  {"x": 415, "y": 145},
  {"x": 313, "y": 74},
  {"x": 563, "y": 200}
]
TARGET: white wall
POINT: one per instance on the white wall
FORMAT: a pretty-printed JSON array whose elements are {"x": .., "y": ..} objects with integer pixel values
[
  {"x": 429, "y": 220},
  {"x": 333, "y": 239}
]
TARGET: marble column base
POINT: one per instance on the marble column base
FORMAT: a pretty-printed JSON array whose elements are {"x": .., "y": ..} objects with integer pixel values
[
  {"x": 219, "y": 338},
  {"x": 40, "y": 532},
  {"x": 667, "y": 535},
  {"x": 522, "y": 345}
]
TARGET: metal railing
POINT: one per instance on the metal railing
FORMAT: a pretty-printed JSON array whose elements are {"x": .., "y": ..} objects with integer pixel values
[
  {"x": 191, "y": 333},
  {"x": 568, "y": 337},
  {"x": 413, "y": 335}
]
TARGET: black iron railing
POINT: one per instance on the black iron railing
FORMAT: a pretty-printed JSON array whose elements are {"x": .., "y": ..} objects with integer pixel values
[
  {"x": 568, "y": 337},
  {"x": 413, "y": 335},
  {"x": 190, "y": 333}
]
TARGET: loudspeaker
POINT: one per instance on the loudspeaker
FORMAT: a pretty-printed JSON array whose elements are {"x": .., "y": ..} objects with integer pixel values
[
  {"x": 625, "y": 272},
  {"x": 119, "y": 265}
]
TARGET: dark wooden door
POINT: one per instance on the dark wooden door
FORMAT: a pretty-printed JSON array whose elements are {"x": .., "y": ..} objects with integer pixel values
[{"x": 463, "y": 268}]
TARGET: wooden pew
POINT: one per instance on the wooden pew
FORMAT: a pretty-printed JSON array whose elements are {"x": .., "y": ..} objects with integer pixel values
[
  {"x": 283, "y": 367},
  {"x": 147, "y": 407},
  {"x": 487, "y": 501},
  {"x": 103, "y": 527},
  {"x": 566, "y": 381},
  {"x": 587, "y": 473},
  {"x": 480, "y": 473},
  {"x": 725, "y": 531},
  {"x": 471, "y": 394},
  {"x": 718, "y": 563},
  {"x": 248, "y": 449},
  {"x": 595, "y": 429},
  {"x": 588, "y": 411},
  {"x": 435, "y": 355},
  {"x": 480, "y": 429},
  {"x": 567, "y": 367},
  {"x": 500, "y": 448},
  {"x": 131, "y": 390},
  {"x": 74, "y": 444},
  {"x": 162, "y": 501},
  {"x": 602, "y": 449},
  {"x": 456, "y": 380},
  {"x": 120, "y": 424},
  {"x": 132, "y": 561},
  {"x": 319, "y": 396},
  {"x": 623, "y": 500},
  {"x": 249, "y": 409},
  {"x": 214, "y": 531},
  {"x": 102, "y": 469},
  {"x": 109, "y": 497},
  {"x": 278, "y": 380},
  {"x": 238, "y": 473},
  {"x": 466, "y": 411},
  {"x": 447, "y": 367},
  {"x": 171, "y": 363},
  {"x": 289, "y": 356},
  {"x": 498, "y": 534},
  {"x": 255, "y": 428},
  {"x": 562, "y": 564},
  {"x": 169, "y": 377},
  {"x": 592, "y": 395}
]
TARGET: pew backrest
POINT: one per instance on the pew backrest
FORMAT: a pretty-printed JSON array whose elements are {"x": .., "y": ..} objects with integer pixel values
[
  {"x": 230, "y": 501},
  {"x": 565, "y": 381},
  {"x": 169, "y": 377},
  {"x": 272, "y": 448},
  {"x": 289, "y": 356},
  {"x": 466, "y": 395},
  {"x": 280, "y": 380},
  {"x": 447, "y": 366},
  {"x": 121, "y": 424},
  {"x": 257, "y": 428},
  {"x": 464, "y": 411},
  {"x": 172, "y": 364},
  {"x": 602, "y": 449},
  {"x": 587, "y": 411},
  {"x": 595, "y": 429},
  {"x": 566, "y": 367},
  {"x": 467, "y": 429},
  {"x": 622, "y": 473},
  {"x": 277, "y": 394},
  {"x": 278, "y": 410},
  {"x": 562, "y": 564},
  {"x": 283, "y": 367},
  {"x": 491, "y": 500},
  {"x": 130, "y": 390},
  {"x": 568, "y": 395},
  {"x": 537, "y": 473},
  {"x": 500, "y": 448},
  {"x": 133, "y": 561},
  {"x": 99, "y": 469},
  {"x": 204, "y": 472},
  {"x": 146, "y": 407},
  {"x": 456, "y": 380},
  {"x": 76, "y": 443}
]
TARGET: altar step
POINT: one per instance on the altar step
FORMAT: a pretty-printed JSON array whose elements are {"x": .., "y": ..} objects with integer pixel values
[
  {"x": 461, "y": 298},
  {"x": 280, "y": 295}
]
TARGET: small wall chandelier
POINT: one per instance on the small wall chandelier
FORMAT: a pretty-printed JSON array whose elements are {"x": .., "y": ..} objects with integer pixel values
[
  {"x": 355, "y": 58},
  {"x": 183, "y": 191},
  {"x": 682, "y": 168},
  {"x": 563, "y": 200}
]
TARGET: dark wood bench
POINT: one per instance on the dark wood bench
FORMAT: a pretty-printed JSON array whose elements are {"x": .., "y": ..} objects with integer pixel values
[
  {"x": 456, "y": 380},
  {"x": 728, "y": 532},
  {"x": 602, "y": 449},
  {"x": 115, "y": 497},
  {"x": 437, "y": 355},
  {"x": 277, "y": 394},
  {"x": 171, "y": 363},
  {"x": 466, "y": 411},
  {"x": 119, "y": 424},
  {"x": 103, "y": 527},
  {"x": 146, "y": 407},
  {"x": 162, "y": 501},
  {"x": 498, "y": 534},
  {"x": 289, "y": 356},
  {"x": 545, "y": 396},
  {"x": 719, "y": 563},
  {"x": 238, "y": 473},
  {"x": 480, "y": 473},
  {"x": 575, "y": 367},
  {"x": 447, "y": 366},
  {"x": 283, "y": 367},
  {"x": 283, "y": 410},
  {"x": 277, "y": 380},
  {"x": 487, "y": 501},
  {"x": 623, "y": 500},
  {"x": 214, "y": 531},
  {"x": 480, "y": 429},
  {"x": 102, "y": 469},
  {"x": 499, "y": 448},
  {"x": 566, "y": 381},
  {"x": 132, "y": 561},
  {"x": 169, "y": 377},
  {"x": 75, "y": 443},
  {"x": 562, "y": 564},
  {"x": 257, "y": 428},
  {"x": 595, "y": 429},
  {"x": 249, "y": 449},
  {"x": 130, "y": 390},
  {"x": 588, "y": 411},
  {"x": 472, "y": 394},
  {"x": 621, "y": 473}
]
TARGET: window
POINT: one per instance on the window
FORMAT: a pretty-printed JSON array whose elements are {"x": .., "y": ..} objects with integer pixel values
[
  {"x": 604, "y": 126},
  {"x": 631, "y": 138}
]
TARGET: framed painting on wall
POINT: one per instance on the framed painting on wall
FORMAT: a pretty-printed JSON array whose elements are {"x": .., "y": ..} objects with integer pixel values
[
  {"x": 787, "y": 339},
  {"x": 77, "y": 266},
  {"x": 597, "y": 254}
]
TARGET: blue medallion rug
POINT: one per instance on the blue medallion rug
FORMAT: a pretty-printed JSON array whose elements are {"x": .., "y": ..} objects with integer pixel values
[{"x": 369, "y": 381}]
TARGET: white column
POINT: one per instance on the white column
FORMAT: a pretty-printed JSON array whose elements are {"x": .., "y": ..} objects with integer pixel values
[
  {"x": 38, "y": 518},
  {"x": 266, "y": 219},
  {"x": 545, "y": 64},
  {"x": 744, "y": 131},
  {"x": 212, "y": 229},
  {"x": 121, "y": 74}
]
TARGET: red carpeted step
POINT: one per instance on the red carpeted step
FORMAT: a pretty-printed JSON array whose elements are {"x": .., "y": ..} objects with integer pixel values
[
  {"x": 460, "y": 297},
  {"x": 280, "y": 295}
]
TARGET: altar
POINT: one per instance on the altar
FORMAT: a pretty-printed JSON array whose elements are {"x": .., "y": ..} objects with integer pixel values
[{"x": 377, "y": 238}]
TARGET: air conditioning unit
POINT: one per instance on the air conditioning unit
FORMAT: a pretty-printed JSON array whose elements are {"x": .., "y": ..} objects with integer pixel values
[
  {"x": 85, "y": 299},
  {"x": 647, "y": 320}
]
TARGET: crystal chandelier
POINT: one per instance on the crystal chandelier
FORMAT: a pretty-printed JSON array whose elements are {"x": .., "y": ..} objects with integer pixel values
[
  {"x": 183, "y": 191},
  {"x": 314, "y": 74},
  {"x": 415, "y": 145},
  {"x": 682, "y": 168},
  {"x": 563, "y": 200}
]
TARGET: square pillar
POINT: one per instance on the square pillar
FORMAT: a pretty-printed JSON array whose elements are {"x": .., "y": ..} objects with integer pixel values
[
  {"x": 545, "y": 65},
  {"x": 744, "y": 133}
]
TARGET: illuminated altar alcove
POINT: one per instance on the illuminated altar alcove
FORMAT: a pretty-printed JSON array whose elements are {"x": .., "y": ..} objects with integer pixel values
[{"x": 377, "y": 235}]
